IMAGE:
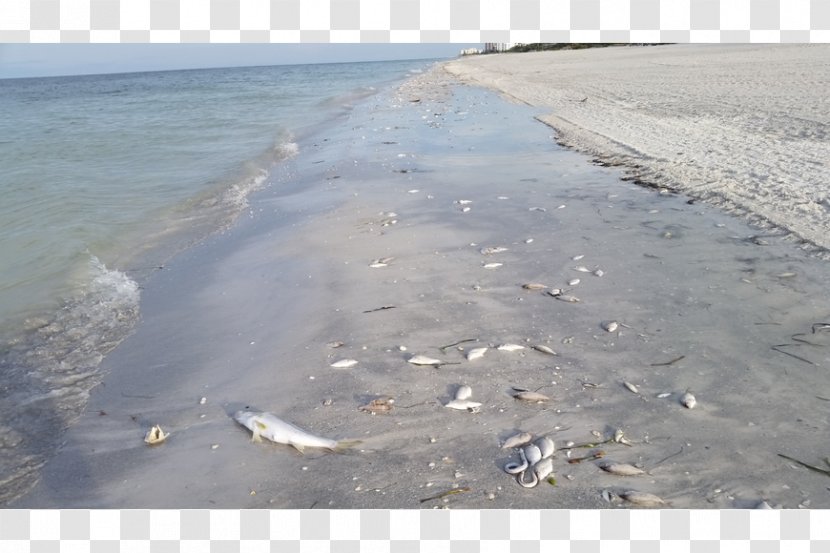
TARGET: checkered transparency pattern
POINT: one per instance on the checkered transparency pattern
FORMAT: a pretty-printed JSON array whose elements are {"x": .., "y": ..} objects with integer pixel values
[
  {"x": 411, "y": 530},
  {"x": 343, "y": 21}
]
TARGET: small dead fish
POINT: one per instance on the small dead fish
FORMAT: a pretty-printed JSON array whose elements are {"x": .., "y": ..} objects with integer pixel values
[
  {"x": 688, "y": 401},
  {"x": 492, "y": 265},
  {"x": 786, "y": 275},
  {"x": 643, "y": 499},
  {"x": 379, "y": 405},
  {"x": 573, "y": 282},
  {"x": 577, "y": 257},
  {"x": 663, "y": 395},
  {"x": 533, "y": 286},
  {"x": 464, "y": 405},
  {"x": 631, "y": 387},
  {"x": 582, "y": 269},
  {"x": 492, "y": 249},
  {"x": 567, "y": 298},
  {"x": 344, "y": 364},
  {"x": 531, "y": 396},
  {"x": 463, "y": 392},
  {"x": 335, "y": 344},
  {"x": 510, "y": 347},
  {"x": 424, "y": 360},
  {"x": 620, "y": 469},
  {"x": 155, "y": 436},
  {"x": 517, "y": 440},
  {"x": 543, "y": 349},
  {"x": 610, "y": 326},
  {"x": 476, "y": 353}
]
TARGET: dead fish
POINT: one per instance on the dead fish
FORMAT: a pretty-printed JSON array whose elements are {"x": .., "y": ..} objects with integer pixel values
[
  {"x": 379, "y": 405},
  {"x": 155, "y": 436},
  {"x": 531, "y": 396},
  {"x": 344, "y": 364},
  {"x": 463, "y": 392},
  {"x": 543, "y": 349},
  {"x": 610, "y": 326},
  {"x": 492, "y": 249},
  {"x": 573, "y": 282},
  {"x": 688, "y": 401},
  {"x": 464, "y": 405},
  {"x": 643, "y": 499},
  {"x": 620, "y": 469},
  {"x": 269, "y": 426},
  {"x": 517, "y": 440},
  {"x": 582, "y": 269},
  {"x": 476, "y": 353},
  {"x": 533, "y": 286},
  {"x": 510, "y": 347},
  {"x": 567, "y": 298},
  {"x": 663, "y": 395},
  {"x": 381, "y": 262},
  {"x": 424, "y": 360},
  {"x": 631, "y": 387},
  {"x": 335, "y": 344},
  {"x": 577, "y": 257},
  {"x": 492, "y": 265}
]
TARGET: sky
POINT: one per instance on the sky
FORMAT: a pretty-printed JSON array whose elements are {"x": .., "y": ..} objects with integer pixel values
[{"x": 40, "y": 60}]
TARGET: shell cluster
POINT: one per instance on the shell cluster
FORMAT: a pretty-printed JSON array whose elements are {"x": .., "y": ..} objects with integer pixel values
[{"x": 536, "y": 462}]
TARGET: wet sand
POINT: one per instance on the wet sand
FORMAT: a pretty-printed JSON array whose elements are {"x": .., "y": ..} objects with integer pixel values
[{"x": 244, "y": 320}]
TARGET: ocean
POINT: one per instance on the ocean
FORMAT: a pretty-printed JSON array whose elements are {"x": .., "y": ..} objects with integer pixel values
[{"x": 103, "y": 179}]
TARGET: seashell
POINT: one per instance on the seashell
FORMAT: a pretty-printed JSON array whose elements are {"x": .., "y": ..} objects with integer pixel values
[
  {"x": 517, "y": 440},
  {"x": 492, "y": 249},
  {"x": 543, "y": 468},
  {"x": 531, "y": 396},
  {"x": 643, "y": 499},
  {"x": 510, "y": 347},
  {"x": 543, "y": 349},
  {"x": 567, "y": 298},
  {"x": 424, "y": 360},
  {"x": 532, "y": 453},
  {"x": 546, "y": 447},
  {"x": 610, "y": 326},
  {"x": 606, "y": 495},
  {"x": 463, "y": 392},
  {"x": 598, "y": 273},
  {"x": 155, "y": 436},
  {"x": 582, "y": 269},
  {"x": 534, "y": 480},
  {"x": 573, "y": 282},
  {"x": 516, "y": 468},
  {"x": 202, "y": 401},
  {"x": 688, "y": 401},
  {"x": 476, "y": 353},
  {"x": 620, "y": 469},
  {"x": 379, "y": 405},
  {"x": 533, "y": 286},
  {"x": 631, "y": 387},
  {"x": 464, "y": 405},
  {"x": 492, "y": 265},
  {"x": 555, "y": 292},
  {"x": 344, "y": 364},
  {"x": 465, "y": 209}
]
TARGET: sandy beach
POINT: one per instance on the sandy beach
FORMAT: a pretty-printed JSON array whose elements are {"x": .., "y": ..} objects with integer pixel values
[{"x": 410, "y": 229}]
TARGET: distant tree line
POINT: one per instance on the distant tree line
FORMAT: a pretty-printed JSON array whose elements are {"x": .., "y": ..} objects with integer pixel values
[{"x": 539, "y": 46}]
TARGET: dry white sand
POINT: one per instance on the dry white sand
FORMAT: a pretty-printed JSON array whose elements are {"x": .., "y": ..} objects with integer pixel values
[
  {"x": 744, "y": 126},
  {"x": 245, "y": 318}
]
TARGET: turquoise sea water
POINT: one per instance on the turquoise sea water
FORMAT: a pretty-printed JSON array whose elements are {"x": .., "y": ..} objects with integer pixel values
[{"x": 102, "y": 178}]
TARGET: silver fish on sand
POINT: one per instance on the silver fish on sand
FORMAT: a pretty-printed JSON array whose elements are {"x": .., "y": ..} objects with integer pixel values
[
  {"x": 643, "y": 499},
  {"x": 464, "y": 405},
  {"x": 541, "y": 348},
  {"x": 573, "y": 282},
  {"x": 582, "y": 269},
  {"x": 534, "y": 286},
  {"x": 510, "y": 347},
  {"x": 492, "y": 265},
  {"x": 631, "y": 387},
  {"x": 344, "y": 364},
  {"x": 424, "y": 360},
  {"x": 531, "y": 396},
  {"x": 620, "y": 469},
  {"x": 476, "y": 353},
  {"x": 269, "y": 426},
  {"x": 688, "y": 401},
  {"x": 463, "y": 392},
  {"x": 517, "y": 440}
]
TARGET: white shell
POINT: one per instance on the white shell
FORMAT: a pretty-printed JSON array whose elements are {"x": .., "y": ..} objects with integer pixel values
[
  {"x": 631, "y": 387},
  {"x": 543, "y": 468},
  {"x": 644, "y": 499},
  {"x": 688, "y": 400},
  {"x": 476, "y": 353},
  {"x": 532, "y": 454},
  {"x": 463, "y": 392},
  {"x": 544, "y": 349},
  {"x": 546, "y": 446},
  {"x": 611, "y": 326},
  {"x": 517, "y": 440},
  {"x": 620, "y": 469},
  {"x": 510, "y": 347},
  {"x": 155, "y": 436},
  {"x": 344, "y": 364},
  {"x": 531, "y": 396},
  {"x": 577, "y": 257},
  {"x": 464, "y": 405},
  {"x": 424, "y": 360}
]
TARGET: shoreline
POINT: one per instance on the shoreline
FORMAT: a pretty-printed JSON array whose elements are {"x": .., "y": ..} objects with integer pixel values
[{"x": 245, "y": 319}]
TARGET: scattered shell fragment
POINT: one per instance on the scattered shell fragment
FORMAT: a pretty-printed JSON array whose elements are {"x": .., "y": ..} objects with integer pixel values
[
  {"x": 573, "y": 282},
  {"x": 544, "y": 349},
  {"x": 381, "y": 262},
  {"x": 533, "y": 286},
  {"x": 531, "y": 396},
  {"x": 492, "y": 265},
  {"x": 546, "y": 447},
  {"x": 344, "y": 364},
  {"x": 464, "y": 405},
  {"x": 631, "y": 387},
  {"x": 598, "y": 273},
  {"x": 610, "y": 326},
  {"x": 379, "y": 405},
  {"x": 688, "y": 401},
  {"x": 510, "y": 347},
  {"x": 517, "y": 440},
  {"x": 424, "y": 360},
  {"x": 202, "y": 401},
  {"x": 476, "y": 353},
  {"x": 463, "y": 392},
  {"x": 555, "y": 292},
  {"x": 155, "y": 436},
  {"x": 643, "y": 499},
  {"x": 567, "y": 298},
  {"x": 620, "y": 469}
]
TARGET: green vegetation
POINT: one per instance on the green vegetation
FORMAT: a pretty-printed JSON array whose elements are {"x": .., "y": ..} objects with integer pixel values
[{"x": 539, "y": 46}]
